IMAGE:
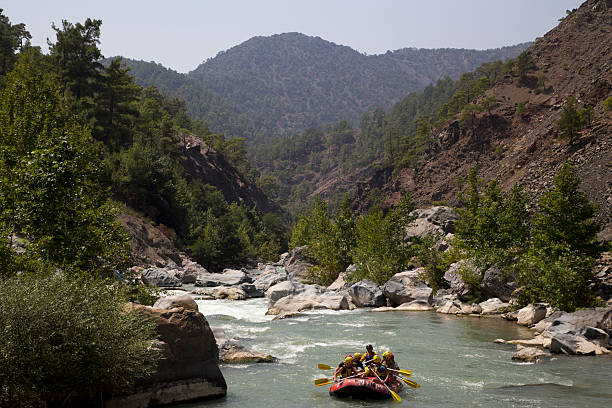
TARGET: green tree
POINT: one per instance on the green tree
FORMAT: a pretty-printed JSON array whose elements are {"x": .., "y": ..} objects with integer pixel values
[
  {"x": 116, "y": 106},
  {"x": 524, "y": 64},
  {"x": 76, "y": 56},
  {"x": 50, "y": 178},
  {"x": 13, "y": 37},
  {"x": 489, "y": 103},
  {"x": 570, "y": 123}
]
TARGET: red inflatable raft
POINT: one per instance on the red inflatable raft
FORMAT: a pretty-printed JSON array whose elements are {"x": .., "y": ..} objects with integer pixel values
[{"x": 364, "y": 388}]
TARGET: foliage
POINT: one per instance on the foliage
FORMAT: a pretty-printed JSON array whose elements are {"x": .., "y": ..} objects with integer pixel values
[
  {"x": 381, "y": 248},
  {"x": 570, "y": 123},
  {"x": 13, "y": 37},
  {"x": 608, "y": 104},
  {"x": 433, "y": 262},
  {"x": 49, "y": 179},
  {"x": 524, "y": 64},
  {"x": 68, "y": 339}
]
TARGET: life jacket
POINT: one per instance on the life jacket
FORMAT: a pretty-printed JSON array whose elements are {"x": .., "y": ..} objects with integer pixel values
[
  {"x": 346, "y": 371},
  {"x": 368, "y": 357}
]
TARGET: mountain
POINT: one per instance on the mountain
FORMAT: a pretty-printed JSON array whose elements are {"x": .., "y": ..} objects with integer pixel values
[
  {"x": 519, "y": 140},
  {"x": 285, "y": 83}
]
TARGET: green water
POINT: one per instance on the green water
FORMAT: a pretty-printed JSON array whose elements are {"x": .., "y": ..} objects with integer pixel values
[{"x": 453, "y": 358}]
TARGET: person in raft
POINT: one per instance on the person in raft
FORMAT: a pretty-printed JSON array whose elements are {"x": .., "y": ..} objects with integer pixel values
[
  {"x": 376, "y": 369},
  {"x": 357, "y": 362},
  {"x": 345, "y": 369},
  {"x": 388, "y": 359},
  {"x": 369, "y": 354}
]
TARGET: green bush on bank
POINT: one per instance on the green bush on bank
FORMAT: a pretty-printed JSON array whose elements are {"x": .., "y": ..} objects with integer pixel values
[{"x": 66, "y": 338}]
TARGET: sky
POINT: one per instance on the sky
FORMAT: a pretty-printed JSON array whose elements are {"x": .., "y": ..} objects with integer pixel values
[{"x": 181, "y": 34}]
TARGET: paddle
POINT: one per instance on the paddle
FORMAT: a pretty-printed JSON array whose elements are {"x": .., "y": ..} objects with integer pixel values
[
  {"x": 407, "y": 373},
  {"x": 324, "y": 381},
  {"x": 393, "y": 394},
  {"x": 324, "y": 367},
  {"x": 410, "y": 382}
]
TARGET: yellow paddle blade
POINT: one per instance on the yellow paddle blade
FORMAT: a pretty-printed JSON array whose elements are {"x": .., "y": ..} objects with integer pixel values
[
  {"x": 411, "y": 383},
  {"x": 395, "y": 396},
  {"x": 325, "y": 383},
  {"x": 321, "y": 380},
  {"x": 324, "y": 367},
  {"x": 407, "y": 373}
]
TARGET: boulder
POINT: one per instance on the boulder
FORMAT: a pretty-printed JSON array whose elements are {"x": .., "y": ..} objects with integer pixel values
[
  {"x": 407, "y": 286},
  {"x": 342, "y": 282},
  {"x": 414, "y": 306},
  {"x": 544, "y": 324},
  {"x": 282, "y": 289},
  {"x": 495, "y": 283},
  {"x": 575, "y": 345},
  {"x": 473, "y": 308},
  {"x": 529, "y": 354},
  {"x": 232, "y": 352},
  {"x": 384, "y": 309},
  {"x": 438, "y": 221},
  {"x": 454, "y": 280},
  {"x": 159, "y": 277},
  {"x": 595, "y": 335},
  {"x": 180, "y": 300},
  {"x": 450, "y": 307},
  {"x": 366, "y": 293},
  {"x": 493, "y": 306},
  {"x": 191, "y": 272},
  {"x": 531, "y": 314},
  {"x": 442, "y": 296},
  {"x": 231, "y": 293},
  {"x": 251, "y": 291},
  {"x": 310, "y": 299},
  {"x": 229, "y": 277},
  {"x": 188, "y": 371},
  {"x": 297, "y": 263},
  {"x": 264, "y": 282}
]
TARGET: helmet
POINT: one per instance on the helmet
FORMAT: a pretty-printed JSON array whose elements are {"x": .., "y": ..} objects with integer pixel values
[
  {"x": 387, "y": 354},
  {"x": 357, "y": 356},
  {"x": 376, "y": 358},
  {"x": 391, "y": 355},
  {"x": 348, "y": 359},
  {"x": 369, "y": 347}
]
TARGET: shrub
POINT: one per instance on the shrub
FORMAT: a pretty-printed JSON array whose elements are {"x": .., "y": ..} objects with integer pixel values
[
  {"x": 570, "y": 123},
  {"x": 608, "y": 104},
  {"x": 65, "y": 338}
]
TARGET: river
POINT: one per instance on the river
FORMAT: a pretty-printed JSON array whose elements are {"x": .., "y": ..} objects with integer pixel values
[{"x": 453, "y": 358}]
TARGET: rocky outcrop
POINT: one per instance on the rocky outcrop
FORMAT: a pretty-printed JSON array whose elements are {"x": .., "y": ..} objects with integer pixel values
[
  {"x": 434, "y": 221},
  {"x": 496, "y": 283},
  {"x": 529, "y": 354},
  {"x": 188, "y": 371},
  {"x": 232, "y": 352},
  {"x": 407, "y": 286},
  {"x": 150, "y": 247},
  {"x": 181, "y": 300},
  {"x": 229, "y": 277},
  {"x": 454, "y": 280},
  {"x": 264, "y": 282},
  {"x": 366, "y": 293},
  {"x": 159, "y": 277},
  {"x": 297, "y": 264},
  {"x": 531, "y": 314},
  {"x": 290, "y": 297},
  {"x": 343, "y": 281},
  {"x": 493, "y": 306}
]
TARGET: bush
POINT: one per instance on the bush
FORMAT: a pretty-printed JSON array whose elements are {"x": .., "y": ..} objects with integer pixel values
[
  {"x": 608, "y": 104},
  {"x": 65, "y": 339}
]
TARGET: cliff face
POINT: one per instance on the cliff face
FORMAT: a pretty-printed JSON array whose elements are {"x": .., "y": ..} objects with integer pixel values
[
  {"x": 210, "y": 167},
  {"x": 523, "y": 145}
]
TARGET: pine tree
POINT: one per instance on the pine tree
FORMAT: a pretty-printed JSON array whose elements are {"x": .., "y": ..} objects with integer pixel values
[{"x": 570, "y": 122}]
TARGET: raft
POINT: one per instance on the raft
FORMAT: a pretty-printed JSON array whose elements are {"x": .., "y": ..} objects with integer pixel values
[{"x": 364, "y": 388}]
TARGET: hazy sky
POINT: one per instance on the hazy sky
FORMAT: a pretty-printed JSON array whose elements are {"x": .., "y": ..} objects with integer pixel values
[{"x": 180, "y": 34}]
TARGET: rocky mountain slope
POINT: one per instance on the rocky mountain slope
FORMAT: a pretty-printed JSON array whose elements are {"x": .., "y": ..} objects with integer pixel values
[
  {"x": 519, "y": 141},
  {"x": 284, "y": 83}
]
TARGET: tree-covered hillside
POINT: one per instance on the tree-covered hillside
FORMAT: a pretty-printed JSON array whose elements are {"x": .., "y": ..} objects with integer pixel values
[{"x": 285, "y": 83}]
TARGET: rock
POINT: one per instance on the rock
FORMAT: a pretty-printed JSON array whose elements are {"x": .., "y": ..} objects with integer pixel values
[
  {"x": 342, "y": 282},
  {"x": 297, "y": 264},
  {"x": 287, "y": 315},
  {"x": 229, "y": 277},
  {"x": 493, "y": 306},
  {"x": 442, "y": 296},
  {"x": 510, "y": 316},
  {"x": 544, "y": 324},
  {"x": 470, "y": 308},
  {"x": 159, "y": 277},
  {"x": 496, "y": 284},
  {"x": 437, "y": 221},
  {"x": 529, "y": 354},
  {"x": 595, "y": 335},
  {"x": 407, "y": 286},
  {"x": 191, "y": 272},
  {"x": 180, "y": 300},
  {"x": 454, "y": 280},
  {"x": 310, "y": 299},
  {"x": 531, "y": 314},
  {"x": 366, "y": 293},
  {"x": 450, "y": 307},
  {"x": 264, "y": 282},
  {"x": 383, "y": 309},
  {"x": 232, "y": 352},
  {"x": 188, "y": 371},
  {"x": 575, "y": 345},
  {"x": 251, "y": 291},
  {"x": 231, "y": 293},
  {"x": 414, "y": 306},
  {"x": 150, "y": 247},
  {"x": 282, "y": 289}
]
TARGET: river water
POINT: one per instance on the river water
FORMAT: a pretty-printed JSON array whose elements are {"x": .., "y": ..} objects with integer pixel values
[{"x": 453, "y": 358}]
